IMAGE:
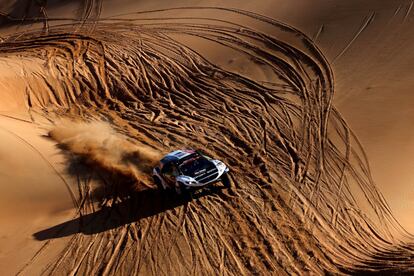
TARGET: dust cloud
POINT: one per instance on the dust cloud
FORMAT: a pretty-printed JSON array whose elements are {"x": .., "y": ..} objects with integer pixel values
[{"x": 100, "y": 144}]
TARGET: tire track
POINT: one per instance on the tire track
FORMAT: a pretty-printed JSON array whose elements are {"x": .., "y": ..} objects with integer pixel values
[{"x": 295, "y": 161}]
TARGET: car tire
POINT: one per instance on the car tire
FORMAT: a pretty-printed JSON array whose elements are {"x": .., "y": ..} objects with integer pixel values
[
  {"x": 182, "y": 190},
  {"x": 226, "y": 180},
  {"x": 157, "y": 182}
]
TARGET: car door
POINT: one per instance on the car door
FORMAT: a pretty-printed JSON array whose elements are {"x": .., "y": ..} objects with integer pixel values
[{"x": 169, "y": 172}]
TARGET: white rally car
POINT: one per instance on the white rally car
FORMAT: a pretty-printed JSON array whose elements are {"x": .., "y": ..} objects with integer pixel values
[{"x": 188, "y": 169}]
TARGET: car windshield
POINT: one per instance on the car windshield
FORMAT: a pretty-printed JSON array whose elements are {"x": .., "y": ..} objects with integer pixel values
[{"x": 193, "y": 163}]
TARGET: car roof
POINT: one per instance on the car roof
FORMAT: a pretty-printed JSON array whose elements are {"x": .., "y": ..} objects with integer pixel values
[{"x": 177, "y": 155}]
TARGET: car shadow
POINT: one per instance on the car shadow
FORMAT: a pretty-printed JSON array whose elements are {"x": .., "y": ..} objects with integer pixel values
[{"x": 137, "y": 206}]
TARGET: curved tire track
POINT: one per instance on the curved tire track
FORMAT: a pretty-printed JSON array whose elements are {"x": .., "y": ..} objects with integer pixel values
[{"x": 296, "y": 162}]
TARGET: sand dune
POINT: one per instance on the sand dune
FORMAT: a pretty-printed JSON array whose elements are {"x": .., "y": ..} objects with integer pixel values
[{"x": 246, "y": 88}]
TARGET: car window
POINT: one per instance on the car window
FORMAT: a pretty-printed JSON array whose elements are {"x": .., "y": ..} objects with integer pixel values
[
  {"x": 167, "y": 169},
  {"x": 170, "y": 169},
  {"x": 174, "y": 171}
]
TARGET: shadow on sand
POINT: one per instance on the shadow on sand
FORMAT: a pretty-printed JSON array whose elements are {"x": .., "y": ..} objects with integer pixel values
[{"x": 138, "y": 206}]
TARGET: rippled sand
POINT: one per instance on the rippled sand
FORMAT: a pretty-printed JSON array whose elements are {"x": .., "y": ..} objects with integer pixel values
[{"x": 92, "y": 98}]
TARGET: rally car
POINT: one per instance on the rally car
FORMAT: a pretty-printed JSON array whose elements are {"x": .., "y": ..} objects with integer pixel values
[{"x": 188, "y": 169}]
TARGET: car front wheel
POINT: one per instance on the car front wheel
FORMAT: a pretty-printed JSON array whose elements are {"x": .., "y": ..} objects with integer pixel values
[
  {"x": 225, "y": 179},
  {"x": 182, "y": 190}
]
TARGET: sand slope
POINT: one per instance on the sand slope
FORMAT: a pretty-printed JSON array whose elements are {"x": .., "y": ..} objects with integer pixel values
[{"x": 247, "y": 89}]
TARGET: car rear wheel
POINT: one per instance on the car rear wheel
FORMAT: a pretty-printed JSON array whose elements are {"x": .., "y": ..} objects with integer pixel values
[
  {"x": 157, "y": 182},
  {"x": 225, "y": 179}
]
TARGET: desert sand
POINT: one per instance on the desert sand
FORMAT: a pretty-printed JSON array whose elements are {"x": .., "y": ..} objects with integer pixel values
[{"x": 309, "y": 102}]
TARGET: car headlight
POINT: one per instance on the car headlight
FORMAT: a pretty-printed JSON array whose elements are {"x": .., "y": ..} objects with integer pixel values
[{"x": 221, "y": 166}]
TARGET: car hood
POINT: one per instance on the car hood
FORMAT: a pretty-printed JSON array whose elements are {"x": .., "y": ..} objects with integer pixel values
[{"x": 210, "y": 171}]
